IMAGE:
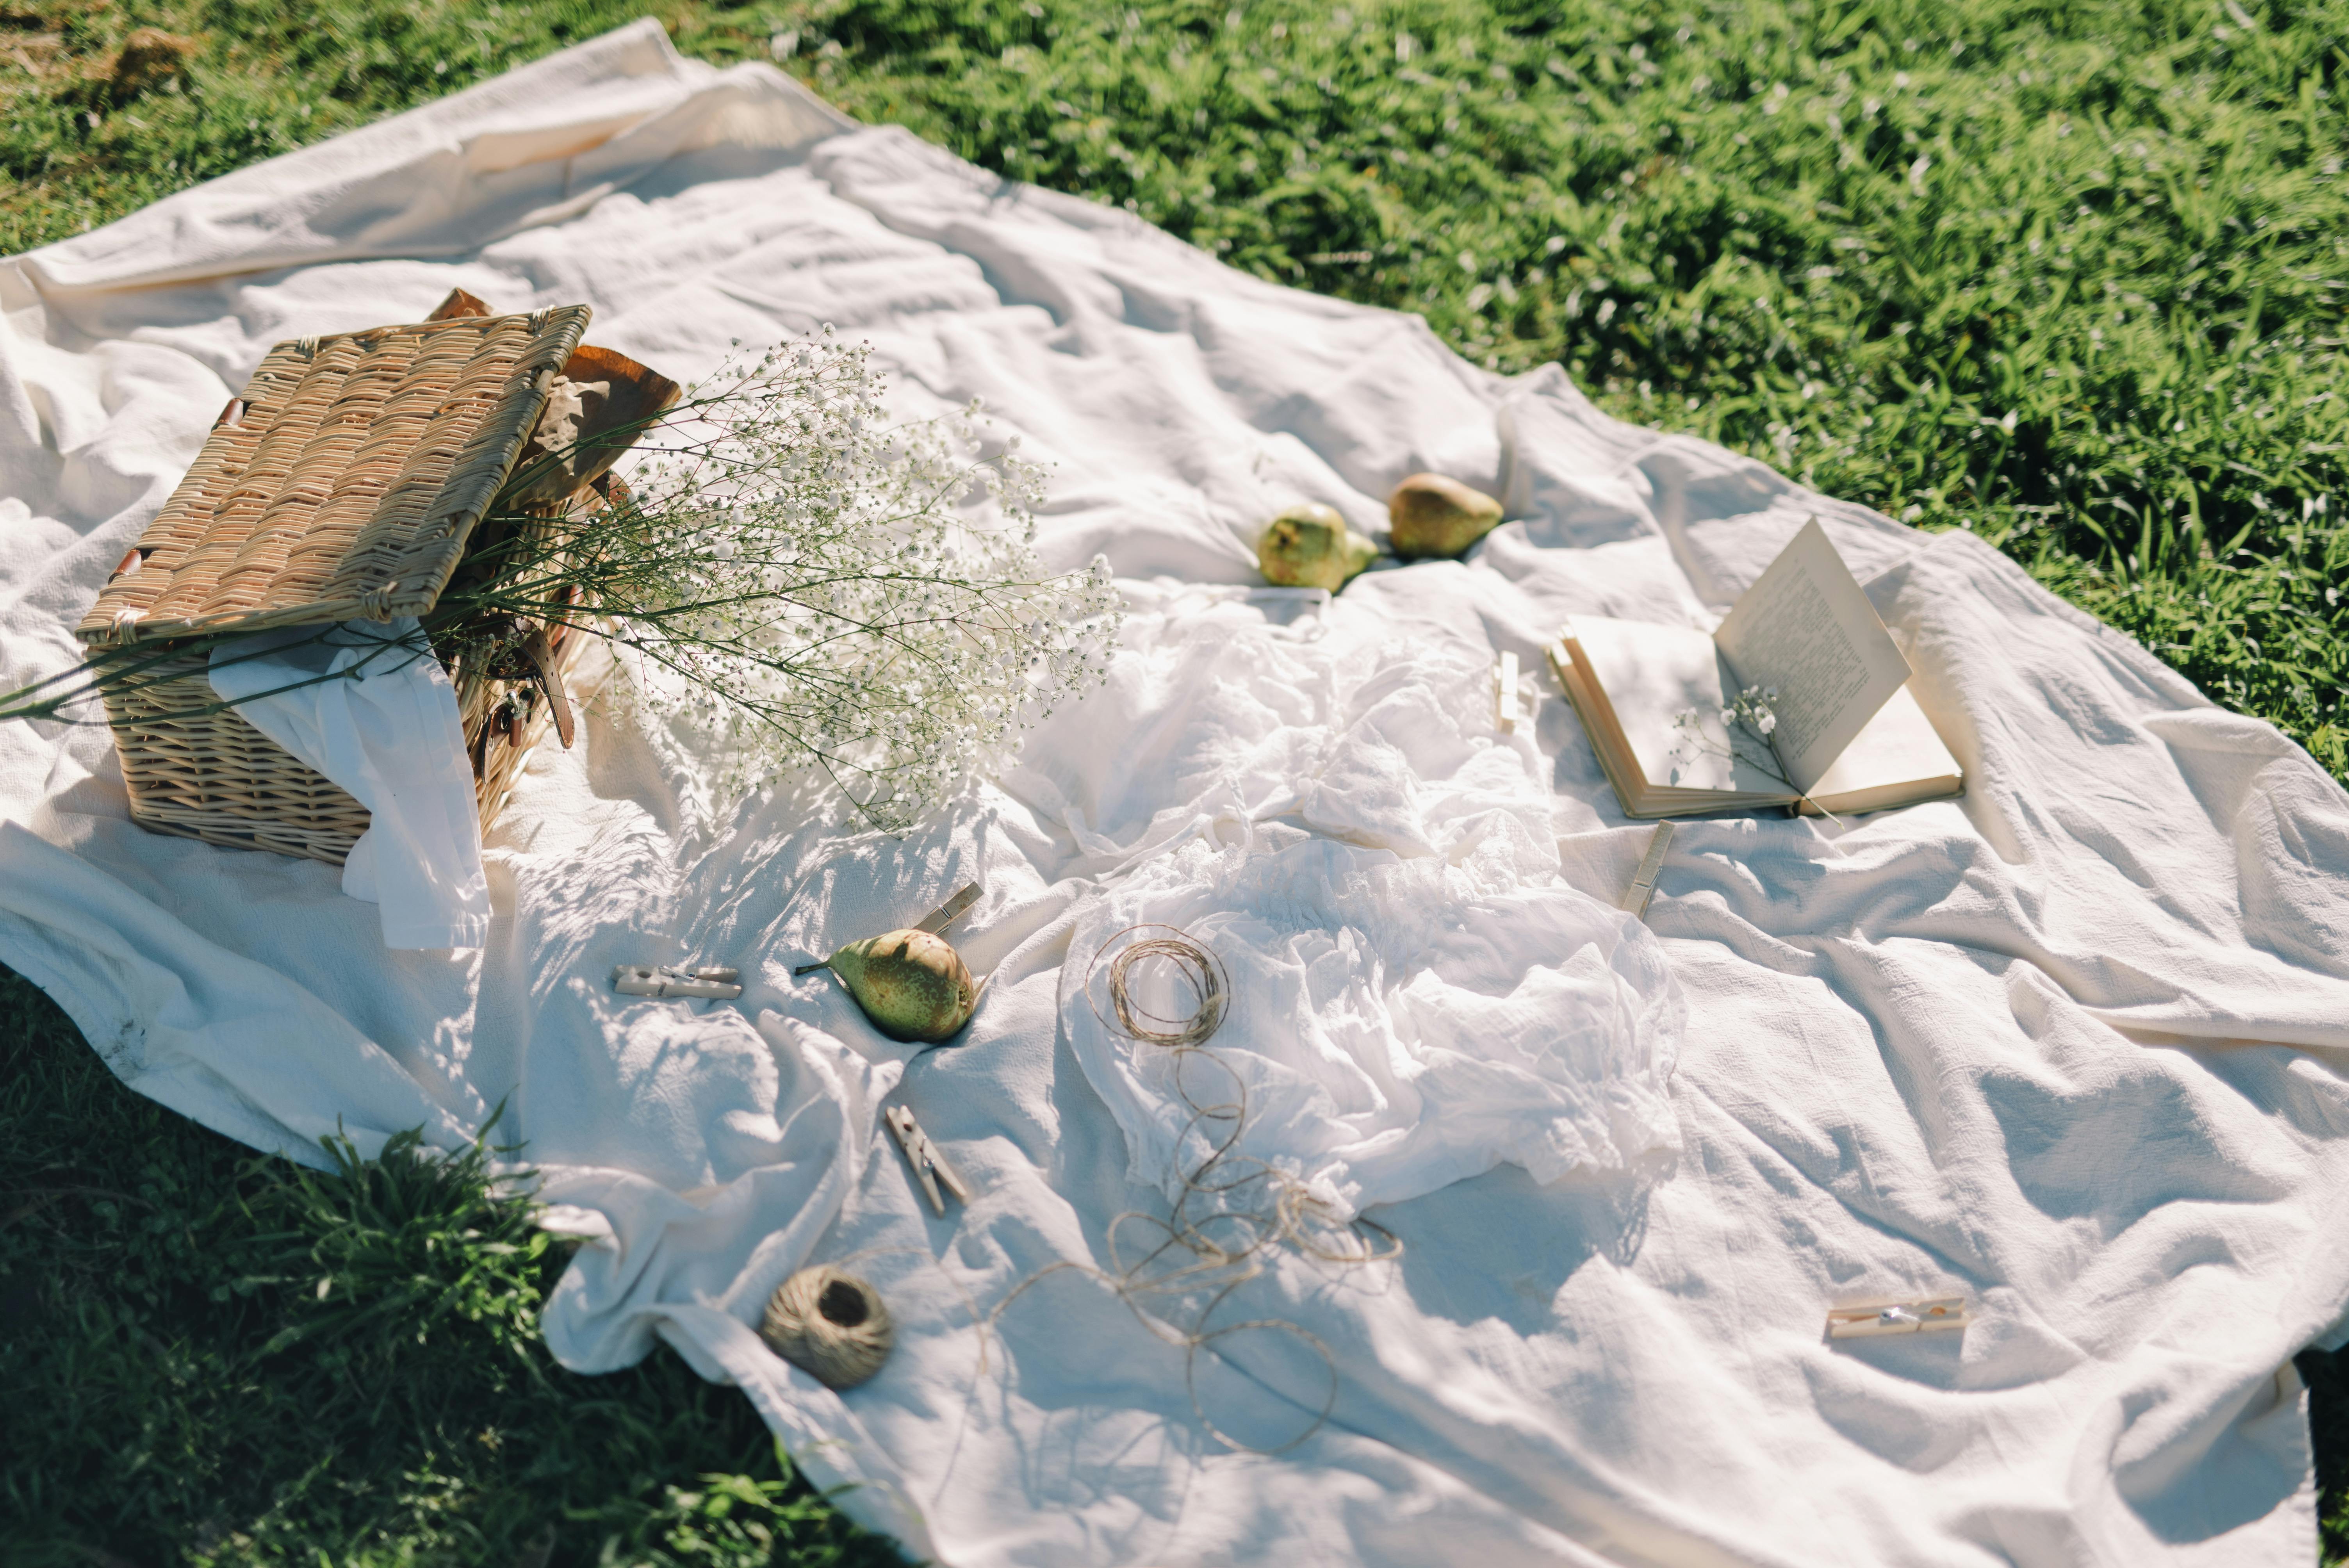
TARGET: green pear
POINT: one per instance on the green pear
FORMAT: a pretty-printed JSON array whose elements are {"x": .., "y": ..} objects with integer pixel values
[
  {"x": 911, "y": 984},
  {"x": 1311, "y": 546},
  {"x": 1433, "y": 515}
]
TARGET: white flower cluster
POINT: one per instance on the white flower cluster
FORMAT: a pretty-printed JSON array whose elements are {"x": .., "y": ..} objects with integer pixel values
[
  {"x": 1751, "y": 713},
  {"x": 1752, "y": 706},
  {"x": 812, "y": 587}
]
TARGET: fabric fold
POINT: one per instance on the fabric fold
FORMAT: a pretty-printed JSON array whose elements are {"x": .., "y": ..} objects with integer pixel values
[{"x": 369, "y": 706}]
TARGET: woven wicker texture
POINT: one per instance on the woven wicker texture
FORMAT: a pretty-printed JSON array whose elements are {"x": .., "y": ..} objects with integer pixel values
[
  {"x": 212, "y": 776},
  {"x": 196, "y": 768},
  {"x": 345, "y": 481}
]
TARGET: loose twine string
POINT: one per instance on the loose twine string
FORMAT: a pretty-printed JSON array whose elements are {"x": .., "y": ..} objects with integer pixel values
[{"x": 1232, "y": 1211}]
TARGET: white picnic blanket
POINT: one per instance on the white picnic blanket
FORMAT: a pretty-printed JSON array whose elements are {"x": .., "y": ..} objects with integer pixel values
[{"x": 2071, "y": 1046}]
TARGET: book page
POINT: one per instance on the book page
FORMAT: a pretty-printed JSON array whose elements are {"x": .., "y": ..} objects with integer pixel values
[
  {"x": 1806, "y": 629},
  {"x": 1899, "y": 746},
  {"x": 1652, "y": 676}
]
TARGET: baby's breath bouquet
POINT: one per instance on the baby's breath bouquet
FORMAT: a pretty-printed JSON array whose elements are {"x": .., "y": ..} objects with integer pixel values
[
  {"x": 811, "y": 588},
  {"x": 812, "y": 591}
]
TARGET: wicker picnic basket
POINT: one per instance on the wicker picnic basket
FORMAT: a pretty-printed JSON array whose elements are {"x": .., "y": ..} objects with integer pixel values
[{"x": 346, "y": 482}]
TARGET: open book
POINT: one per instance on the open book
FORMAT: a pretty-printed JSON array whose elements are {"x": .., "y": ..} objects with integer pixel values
[{"x": 1662, "y": 703}]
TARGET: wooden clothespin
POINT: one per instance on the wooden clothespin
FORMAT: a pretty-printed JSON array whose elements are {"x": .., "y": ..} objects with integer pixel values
[
  {"x": 1926, "y": 1314},
  {"x": 947, "y": 913},
  {"x": 1635, "y": 898},
  {"x": 710, "y": 982},
  {"x": 1505, "y": 694},
  {"x": 924, "y": 1157}
]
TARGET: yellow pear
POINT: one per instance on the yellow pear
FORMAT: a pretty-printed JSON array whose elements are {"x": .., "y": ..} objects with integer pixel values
[
  {"x": 1433, "y": 515},
  {"x": 912, "y": 985},
  {"x": 1311, "y": 546}
]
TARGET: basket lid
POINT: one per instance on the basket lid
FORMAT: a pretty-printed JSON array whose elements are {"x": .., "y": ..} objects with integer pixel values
[{"x": 344, "y": 482}]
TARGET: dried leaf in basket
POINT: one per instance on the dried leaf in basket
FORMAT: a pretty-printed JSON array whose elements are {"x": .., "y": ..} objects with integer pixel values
[{"x": 595, "y": 410}]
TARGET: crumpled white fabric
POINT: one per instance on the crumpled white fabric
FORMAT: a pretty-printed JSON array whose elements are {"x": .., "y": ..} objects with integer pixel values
[
  {"x": 648, "y": 1248},
  {"x": 1416, "y": 994},
  {"x": 367, "y": 706},
  {"x": 1388, "y": 1031},
  {"x": 2073, "y": 1045}
]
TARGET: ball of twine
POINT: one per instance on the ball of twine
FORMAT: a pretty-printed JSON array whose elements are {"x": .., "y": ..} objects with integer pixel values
[
  {"x": 1195, "y": 969},
  {"x": 829, "y": 1325}
]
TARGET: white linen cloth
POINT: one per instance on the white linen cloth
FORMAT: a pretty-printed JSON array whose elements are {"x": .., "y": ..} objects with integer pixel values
[
  {"x": 2071, "y": 1045},
  {"x": 1416, "y": 994},
  {"x": 1390, "y": 1029},
  {"x": 371, "y": 708}
]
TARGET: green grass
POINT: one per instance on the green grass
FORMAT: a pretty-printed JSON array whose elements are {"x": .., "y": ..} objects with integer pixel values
[
  {"x": 2072, "y": 275},
  {"x": 208, "y": 1356}
]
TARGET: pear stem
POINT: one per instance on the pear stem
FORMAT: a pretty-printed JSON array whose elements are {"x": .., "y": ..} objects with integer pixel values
[{"x": 810, "y": 968}]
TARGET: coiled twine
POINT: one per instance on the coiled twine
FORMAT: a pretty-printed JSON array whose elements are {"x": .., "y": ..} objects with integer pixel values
[
  {"x": 1195, "y": 966},
  {"x": 1232, "y": 1212},
  {"x": 829, "y": 1325}
]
